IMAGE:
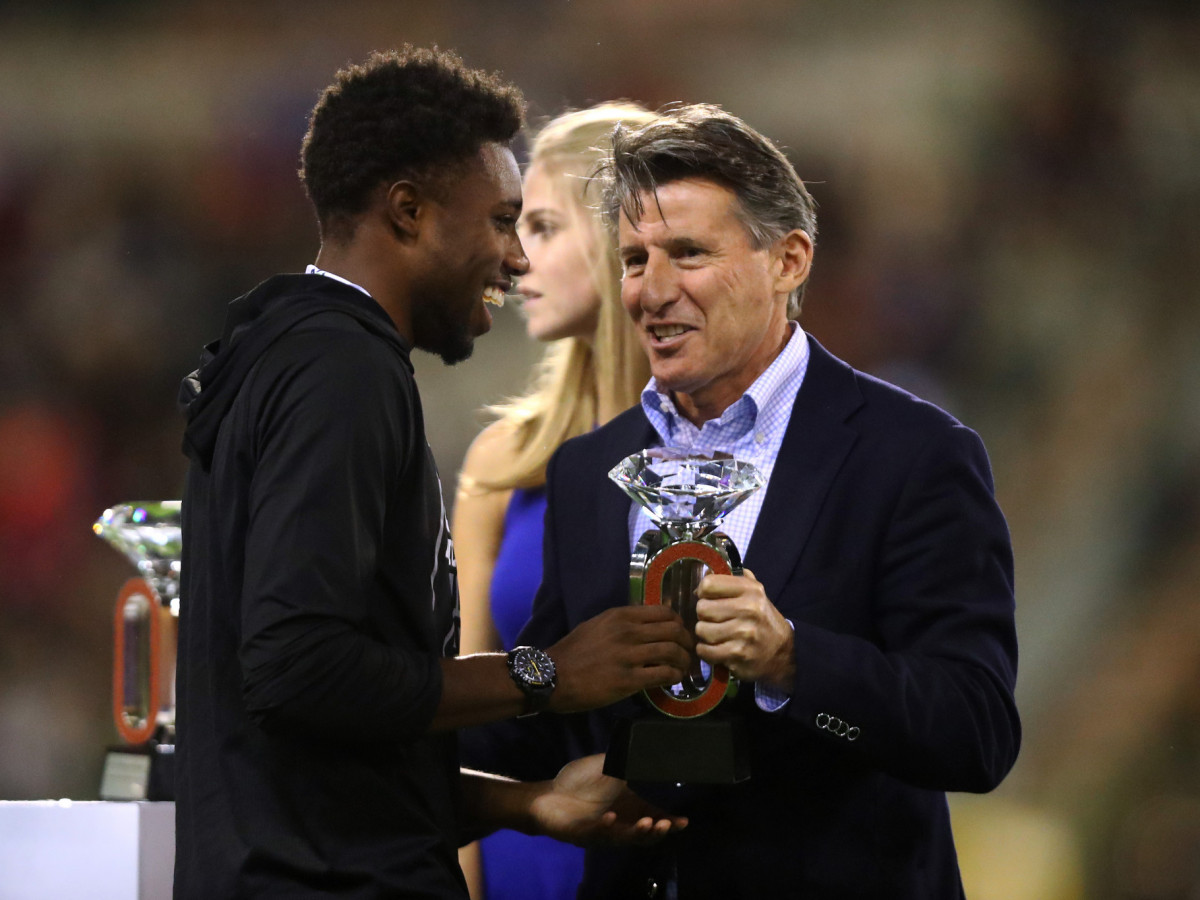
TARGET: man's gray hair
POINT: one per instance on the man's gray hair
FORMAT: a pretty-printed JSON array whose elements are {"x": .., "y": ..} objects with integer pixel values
[{"x": 704, "y": 141}]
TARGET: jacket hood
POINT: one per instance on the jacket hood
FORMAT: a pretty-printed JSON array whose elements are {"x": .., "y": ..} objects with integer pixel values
[{"x": 252, "y": 324}]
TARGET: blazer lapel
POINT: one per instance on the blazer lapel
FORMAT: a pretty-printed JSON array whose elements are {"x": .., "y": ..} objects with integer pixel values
[{"x": 814, "y": 447}]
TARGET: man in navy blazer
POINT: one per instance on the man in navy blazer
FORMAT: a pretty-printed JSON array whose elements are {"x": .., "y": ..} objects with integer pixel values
[{"x": 873, "y": 628}]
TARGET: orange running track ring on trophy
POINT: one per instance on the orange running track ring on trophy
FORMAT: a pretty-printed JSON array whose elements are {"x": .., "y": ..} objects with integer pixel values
[
  {"x": 137, "y": 661},
  {"x": 684, "y": 707}
]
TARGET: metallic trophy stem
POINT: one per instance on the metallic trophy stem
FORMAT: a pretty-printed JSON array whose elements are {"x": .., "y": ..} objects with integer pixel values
[{"x": 679, "y": 592}]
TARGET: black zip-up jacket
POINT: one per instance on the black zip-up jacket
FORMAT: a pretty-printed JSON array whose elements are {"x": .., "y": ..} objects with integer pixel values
[{"x": 318, "y": 593}]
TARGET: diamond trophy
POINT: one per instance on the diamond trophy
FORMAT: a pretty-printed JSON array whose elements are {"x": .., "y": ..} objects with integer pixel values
[
  {"x": 145, "y": 633},
  {"x": 686, "y": 496}
]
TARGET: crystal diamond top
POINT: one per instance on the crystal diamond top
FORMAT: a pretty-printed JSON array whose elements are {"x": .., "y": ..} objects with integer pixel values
[
  {"x": 151, "y": 536},
  {"x": 686, "y": 494}
]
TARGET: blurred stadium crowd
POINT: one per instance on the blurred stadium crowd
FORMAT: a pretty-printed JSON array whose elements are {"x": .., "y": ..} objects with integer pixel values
[{"x": 1009, "y": 225}]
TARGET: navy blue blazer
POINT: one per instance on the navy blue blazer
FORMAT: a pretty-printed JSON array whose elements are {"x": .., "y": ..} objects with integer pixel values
[{"x": 880, "y": 539}]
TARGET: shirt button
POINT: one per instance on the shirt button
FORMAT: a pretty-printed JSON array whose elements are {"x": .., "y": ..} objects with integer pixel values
[
  {"x": 665, "y": 406},
  {"x": 759, "y": 438}
]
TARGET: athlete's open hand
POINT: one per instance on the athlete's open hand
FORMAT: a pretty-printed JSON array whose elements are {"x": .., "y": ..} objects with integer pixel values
[{"x": 586, "y": 807}]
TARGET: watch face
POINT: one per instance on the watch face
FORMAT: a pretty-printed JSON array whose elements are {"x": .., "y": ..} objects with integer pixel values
[{"x": 534, "y": 667}]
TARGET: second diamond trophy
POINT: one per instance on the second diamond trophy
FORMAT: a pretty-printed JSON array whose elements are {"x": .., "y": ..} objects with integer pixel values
[
  {"x": 684, "y": 738},
  {"x": 145, "y": 636}
]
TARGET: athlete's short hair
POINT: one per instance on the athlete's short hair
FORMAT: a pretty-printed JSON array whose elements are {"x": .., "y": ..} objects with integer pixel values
[{"x": 411, "y": 113}]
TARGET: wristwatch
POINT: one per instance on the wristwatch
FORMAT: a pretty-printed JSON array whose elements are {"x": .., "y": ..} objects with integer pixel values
[{"x": 532, "y": 670}]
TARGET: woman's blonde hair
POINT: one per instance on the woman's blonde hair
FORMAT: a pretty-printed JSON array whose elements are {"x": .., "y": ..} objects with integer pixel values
[{"x": 577, "y": 381}]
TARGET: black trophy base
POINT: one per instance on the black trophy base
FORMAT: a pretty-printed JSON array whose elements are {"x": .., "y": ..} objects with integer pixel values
[
  {"x": 697, "y": 751},
  {"x": 142, "y": 772}
]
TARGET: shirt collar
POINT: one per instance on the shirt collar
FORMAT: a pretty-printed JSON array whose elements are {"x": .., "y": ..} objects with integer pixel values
[
  {"x": 313, "y": 270},
  {"x": 776, "y": 386}
]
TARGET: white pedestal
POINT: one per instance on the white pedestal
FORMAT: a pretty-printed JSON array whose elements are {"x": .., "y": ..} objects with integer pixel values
[{"x": 99, "y": 850}]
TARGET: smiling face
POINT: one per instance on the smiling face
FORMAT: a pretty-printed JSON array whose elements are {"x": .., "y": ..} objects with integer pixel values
[
  {"x": 561, "y": 299},
  {"x": 711, "y": 311},
  {"x": 471, "y": 247}
]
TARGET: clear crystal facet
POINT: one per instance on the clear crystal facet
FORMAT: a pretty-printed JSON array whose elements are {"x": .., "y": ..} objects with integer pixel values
[
  {"x": 686, "y": 494},
  {"x": 151, "y": 536}
]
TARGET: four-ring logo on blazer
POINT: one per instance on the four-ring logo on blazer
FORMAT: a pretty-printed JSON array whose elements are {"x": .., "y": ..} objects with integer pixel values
[{"x": 834, "y": 725}]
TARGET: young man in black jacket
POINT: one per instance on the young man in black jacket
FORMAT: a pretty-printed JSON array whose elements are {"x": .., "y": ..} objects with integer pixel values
[{"x": 318, "y": 683}]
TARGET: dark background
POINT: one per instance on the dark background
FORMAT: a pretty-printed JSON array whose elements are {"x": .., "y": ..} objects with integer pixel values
[{"x": 1009, "y": 203}]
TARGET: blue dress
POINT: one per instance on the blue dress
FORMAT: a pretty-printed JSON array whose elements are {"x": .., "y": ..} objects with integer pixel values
[{"x": 518, "y": 866}]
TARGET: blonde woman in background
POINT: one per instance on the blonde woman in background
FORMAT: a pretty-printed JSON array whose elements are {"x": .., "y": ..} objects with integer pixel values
[{"x": 594, "y": 369}]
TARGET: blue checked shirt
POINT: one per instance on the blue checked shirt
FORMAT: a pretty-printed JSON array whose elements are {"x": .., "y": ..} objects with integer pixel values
[{"x": 751, "y": 429}]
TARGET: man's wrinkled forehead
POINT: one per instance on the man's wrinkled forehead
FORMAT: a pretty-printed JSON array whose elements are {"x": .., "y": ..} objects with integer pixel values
[
  {"x": 633, "y": 205},
  {"x": 692, "y": 194}
]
